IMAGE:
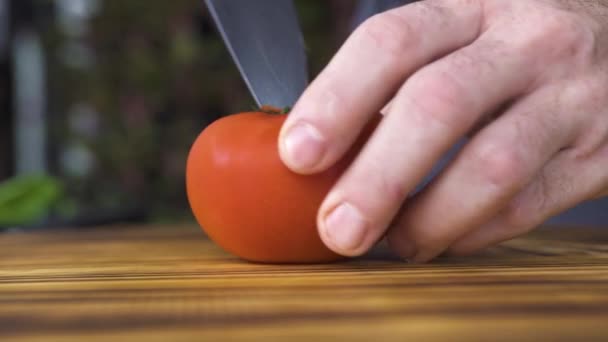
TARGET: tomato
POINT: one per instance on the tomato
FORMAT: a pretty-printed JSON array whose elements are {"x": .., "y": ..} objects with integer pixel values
[{"x": 248, "y": 201}]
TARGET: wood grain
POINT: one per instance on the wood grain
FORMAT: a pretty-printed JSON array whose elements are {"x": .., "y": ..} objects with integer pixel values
[{"x": 171, "y": 284}]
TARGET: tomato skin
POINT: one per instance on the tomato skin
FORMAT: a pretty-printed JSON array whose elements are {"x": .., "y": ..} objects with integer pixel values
[{"x": 248, "y": 201}]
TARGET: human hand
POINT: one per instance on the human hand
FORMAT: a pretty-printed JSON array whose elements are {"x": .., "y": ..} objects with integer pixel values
[{"x": 526, "y": 80}]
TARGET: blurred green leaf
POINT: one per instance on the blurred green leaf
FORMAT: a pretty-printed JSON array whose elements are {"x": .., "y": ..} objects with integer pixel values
[{"x": 27, "y": 199}]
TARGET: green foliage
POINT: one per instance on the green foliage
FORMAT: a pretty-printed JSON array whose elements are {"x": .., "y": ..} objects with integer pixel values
[{"x": 27, "y": 199}]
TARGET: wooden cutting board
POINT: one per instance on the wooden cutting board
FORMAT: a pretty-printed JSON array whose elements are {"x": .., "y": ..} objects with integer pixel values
[{"x": 170, "y": 283}]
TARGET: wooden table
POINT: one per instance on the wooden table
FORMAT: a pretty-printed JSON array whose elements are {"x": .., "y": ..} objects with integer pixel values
[{"x": 170, "y": 284}]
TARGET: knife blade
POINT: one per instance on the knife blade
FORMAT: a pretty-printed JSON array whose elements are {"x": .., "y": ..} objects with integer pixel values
[{"x": 267, "y": 45}]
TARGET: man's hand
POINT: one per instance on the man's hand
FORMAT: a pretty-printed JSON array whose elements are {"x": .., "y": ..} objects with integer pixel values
[{"x": 531, "y": 76}]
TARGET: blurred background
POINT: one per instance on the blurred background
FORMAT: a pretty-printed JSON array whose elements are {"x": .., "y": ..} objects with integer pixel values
[{"x": 101, "y": 99}]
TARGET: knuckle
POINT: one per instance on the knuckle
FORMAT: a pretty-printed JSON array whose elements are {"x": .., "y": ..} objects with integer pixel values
[
  {"x": 388, "y": 33},
  {"x": 572, "y": 38},
  {"x": 516, "y": 216},
  {"x": 581, "y": 43},
  {"x": 501, "y": 167},
  {"x": 440, "y": 98},
  {"x": 561, "y": 36},
  {"x": 394, "y": 190},
  {"x": 524, "y": 211},
  {"x": 554, "y": 25}
]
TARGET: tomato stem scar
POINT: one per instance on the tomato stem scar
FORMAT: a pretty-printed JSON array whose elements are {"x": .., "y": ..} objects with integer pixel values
[{"x": 274, "y": 110}]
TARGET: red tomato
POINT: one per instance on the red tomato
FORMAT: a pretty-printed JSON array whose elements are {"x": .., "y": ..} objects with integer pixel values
[{"x": 247, "y": 201}]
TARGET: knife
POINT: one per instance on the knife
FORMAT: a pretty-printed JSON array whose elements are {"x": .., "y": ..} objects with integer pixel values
[{"x": 266, "y": 43}]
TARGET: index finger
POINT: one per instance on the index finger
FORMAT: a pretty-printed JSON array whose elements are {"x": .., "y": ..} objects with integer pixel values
[{"x": 366, "y": 72}]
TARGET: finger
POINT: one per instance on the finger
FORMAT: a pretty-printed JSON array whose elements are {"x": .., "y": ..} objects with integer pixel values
[
  {"x": 365, "y": 73},
  {"x": 434, "y": 108},
  {"x": 491, "y": 169},
  {"x": 563, "y": 183}
]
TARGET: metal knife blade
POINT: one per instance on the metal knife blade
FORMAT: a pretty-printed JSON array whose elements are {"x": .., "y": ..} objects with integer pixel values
[{"x": 266, "y": 43}]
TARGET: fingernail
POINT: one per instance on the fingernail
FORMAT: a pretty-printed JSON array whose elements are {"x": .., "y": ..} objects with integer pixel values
[
  {"x": 304, "y": 146},
  {"x": 345, "y": 227}
]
